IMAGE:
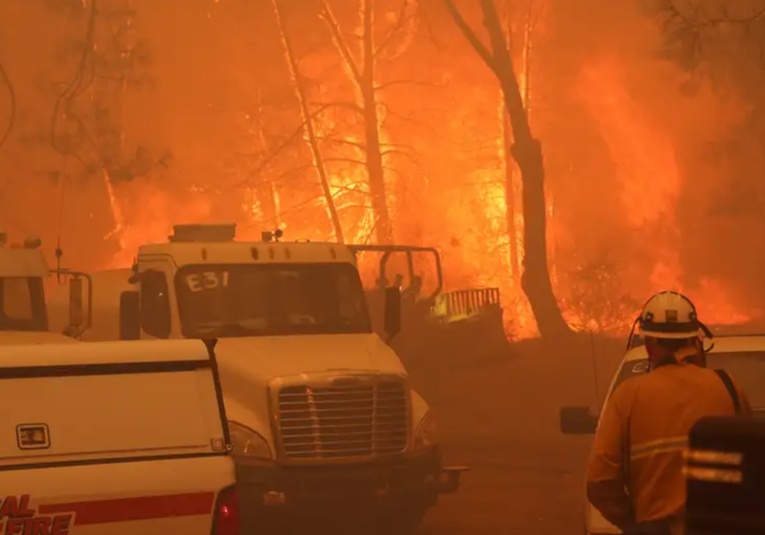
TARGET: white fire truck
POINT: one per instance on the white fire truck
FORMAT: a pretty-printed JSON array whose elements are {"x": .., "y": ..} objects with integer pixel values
[{"x": 323, "y": 419}]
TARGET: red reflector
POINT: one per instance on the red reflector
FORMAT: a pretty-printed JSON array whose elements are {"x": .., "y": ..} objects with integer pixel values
[{"x": 226, "y": 521}]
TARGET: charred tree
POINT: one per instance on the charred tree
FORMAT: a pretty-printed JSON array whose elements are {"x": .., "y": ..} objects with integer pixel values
[
  {"x": 510, "y": 180},
  {"x": 266, "y": 192},
  {"x": 527, "y": 152},
  {"x": 362, "y": 74},
  {"x": 689, "y": 27},
  {"x": 87, "y": 125},
  {"x": 507, "y": 140},
  {"x": 310, "y": 132},
  {"x": 6, "y": 81},
  {"x": 89, "y": 115},
  {"x": 512, "y": 227}
]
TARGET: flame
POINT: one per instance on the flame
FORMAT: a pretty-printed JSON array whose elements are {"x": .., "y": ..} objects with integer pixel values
[
  {"x": 644, "y": 158},
  {"x": 144, "y": 211},
  {"x": 152, "y": 214},
  {"x": 645, "y": 167}
]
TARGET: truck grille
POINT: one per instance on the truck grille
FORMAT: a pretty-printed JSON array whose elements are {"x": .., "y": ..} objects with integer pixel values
[{"x": 366, "y": 419}]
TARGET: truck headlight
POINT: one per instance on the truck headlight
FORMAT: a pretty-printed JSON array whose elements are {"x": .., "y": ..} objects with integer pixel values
[
  {"x": 248, "y": 443},
  {"x": 425, "y": 433}
]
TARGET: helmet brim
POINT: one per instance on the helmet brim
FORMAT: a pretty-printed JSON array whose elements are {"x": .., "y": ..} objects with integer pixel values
[{"x": 672, "y": 336}]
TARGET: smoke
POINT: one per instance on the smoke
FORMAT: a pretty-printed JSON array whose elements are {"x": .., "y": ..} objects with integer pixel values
[
  {"x": 653, "y": 169},
  {"x": 659, "y": 151}
]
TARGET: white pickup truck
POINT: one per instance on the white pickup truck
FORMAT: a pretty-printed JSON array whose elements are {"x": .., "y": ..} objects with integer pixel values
[
  {"x": 325, "y": 423},
  {"x": 114, "y": 438}
]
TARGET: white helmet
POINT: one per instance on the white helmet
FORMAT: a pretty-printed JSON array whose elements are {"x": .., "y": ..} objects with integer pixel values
[{"x": 669, "y": 314}]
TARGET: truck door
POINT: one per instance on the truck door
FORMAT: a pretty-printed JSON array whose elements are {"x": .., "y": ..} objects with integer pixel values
[{"x": 158, "y": 308}]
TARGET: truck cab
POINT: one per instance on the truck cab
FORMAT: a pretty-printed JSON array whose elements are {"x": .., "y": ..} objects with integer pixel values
[
  {"x": 323, "y": 418},
  {"x": 23, "y": 313}
]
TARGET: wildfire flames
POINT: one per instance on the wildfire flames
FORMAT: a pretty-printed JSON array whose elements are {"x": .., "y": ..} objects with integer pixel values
[
  {"x": 641, "y": 152},
  {"x": 600, "y": 280}
]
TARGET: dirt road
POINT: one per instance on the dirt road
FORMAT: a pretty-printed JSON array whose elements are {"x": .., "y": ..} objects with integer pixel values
[
  {"x": 515, "y": 487},
  {"x": 502, "y": 420}
]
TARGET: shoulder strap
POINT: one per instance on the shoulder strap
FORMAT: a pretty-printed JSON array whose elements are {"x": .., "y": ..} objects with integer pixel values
[{"x": 731, "y": 388}]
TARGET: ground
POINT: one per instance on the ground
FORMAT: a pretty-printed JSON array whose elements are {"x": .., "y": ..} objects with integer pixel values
[{"x": 502, "y": 419}]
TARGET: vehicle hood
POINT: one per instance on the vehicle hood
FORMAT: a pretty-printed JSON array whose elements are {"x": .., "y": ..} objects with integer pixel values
[
  {"x": 246, "y": 365},
  {"x": 33, "y": 337}
]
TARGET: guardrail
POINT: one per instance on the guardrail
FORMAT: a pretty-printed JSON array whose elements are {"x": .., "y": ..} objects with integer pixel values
[{"x": 464, "y": 303}]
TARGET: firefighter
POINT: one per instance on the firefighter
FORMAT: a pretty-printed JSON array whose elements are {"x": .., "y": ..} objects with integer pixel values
[{"x": 635, "y": 473}]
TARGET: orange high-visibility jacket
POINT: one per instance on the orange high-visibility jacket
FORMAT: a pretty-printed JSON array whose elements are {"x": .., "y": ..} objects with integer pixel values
[{"x": 635, "y": 472}]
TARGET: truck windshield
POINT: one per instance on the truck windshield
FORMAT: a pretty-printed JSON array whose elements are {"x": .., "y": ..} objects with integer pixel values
[
  {"x": 270, "y": 299},
  {"x": 22, "y": 304},
  {"x": 746, "y": 367}
]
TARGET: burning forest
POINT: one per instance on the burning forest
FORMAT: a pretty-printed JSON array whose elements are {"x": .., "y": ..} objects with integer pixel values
[{"x": 577, "y": 164}]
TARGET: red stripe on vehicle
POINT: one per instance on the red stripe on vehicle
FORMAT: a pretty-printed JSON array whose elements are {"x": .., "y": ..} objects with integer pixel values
[{"x": 139, "y": 508}]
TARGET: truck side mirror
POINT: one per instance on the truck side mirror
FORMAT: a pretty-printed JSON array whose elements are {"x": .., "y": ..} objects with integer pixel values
[
  {"x": 392, "y": 311},
  {"x": 76, "y": 309},
  {"x": 577, "y": 421},
  {"x": 130, "y": 316}
]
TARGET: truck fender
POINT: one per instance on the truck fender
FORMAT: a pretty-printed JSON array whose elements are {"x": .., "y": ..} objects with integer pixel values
[
  {"x": 237, "y": 412},
  {"x": 419, "y": 409}
]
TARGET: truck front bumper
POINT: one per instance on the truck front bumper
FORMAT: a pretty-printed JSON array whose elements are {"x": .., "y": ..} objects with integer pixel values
[{"x": 275, "y": 491}]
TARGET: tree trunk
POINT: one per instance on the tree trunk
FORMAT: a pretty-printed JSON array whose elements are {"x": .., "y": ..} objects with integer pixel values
[
  {"x": 375, "y": 168},
  {"x": 364, "y": 82},
  {"x": 313, "y": 142},
  {"x": 510, "y": 173},
  {"x": 265, "y": 190},
  {"x": 376, "y": 172},
  {"x": 527, "y": 152},
  {"x": 512, "y": 228},
  {"x": 535, "y": 280}
]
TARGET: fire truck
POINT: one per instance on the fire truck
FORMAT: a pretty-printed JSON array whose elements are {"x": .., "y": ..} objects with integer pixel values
[{"x": 324, "y": 421}]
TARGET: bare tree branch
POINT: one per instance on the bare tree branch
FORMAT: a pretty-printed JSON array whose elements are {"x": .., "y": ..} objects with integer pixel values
[
  {"x": 12, "y": 95},
  {"x": 289, "y": 140},
  {"x": 352, "y": 187},
  {"x": 689, "y": 28},
  {"x": 404, "y": 153},
  {"x": 504, "y": 70},
  {"x": 289, "y": 173},
  {"x": 354, "y": 205},
  {"x": 362, "y": 75},
  {"x": 346, "y": 160},
  {"x": 470, "y": 35},
  {"x": 394, "y": 170},
  {"x": 392, "y": 83},
  {"x": 342, "y": 46},
  {"x": 309, "y": 128},
  {"x": 399, "y": 116},
  {"x": 77, "y": 85},
  {"x": 401, "y": 20},
  {"x": 348, "y": 105},
  {"x": 341, "y": 141}
]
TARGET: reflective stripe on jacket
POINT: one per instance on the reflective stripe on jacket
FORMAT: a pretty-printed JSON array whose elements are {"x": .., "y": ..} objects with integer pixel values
[{"x": 635, "y": 473}]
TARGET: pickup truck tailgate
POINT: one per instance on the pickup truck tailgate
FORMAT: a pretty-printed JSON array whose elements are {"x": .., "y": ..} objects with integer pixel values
[{"x": 111, "y": 438}]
